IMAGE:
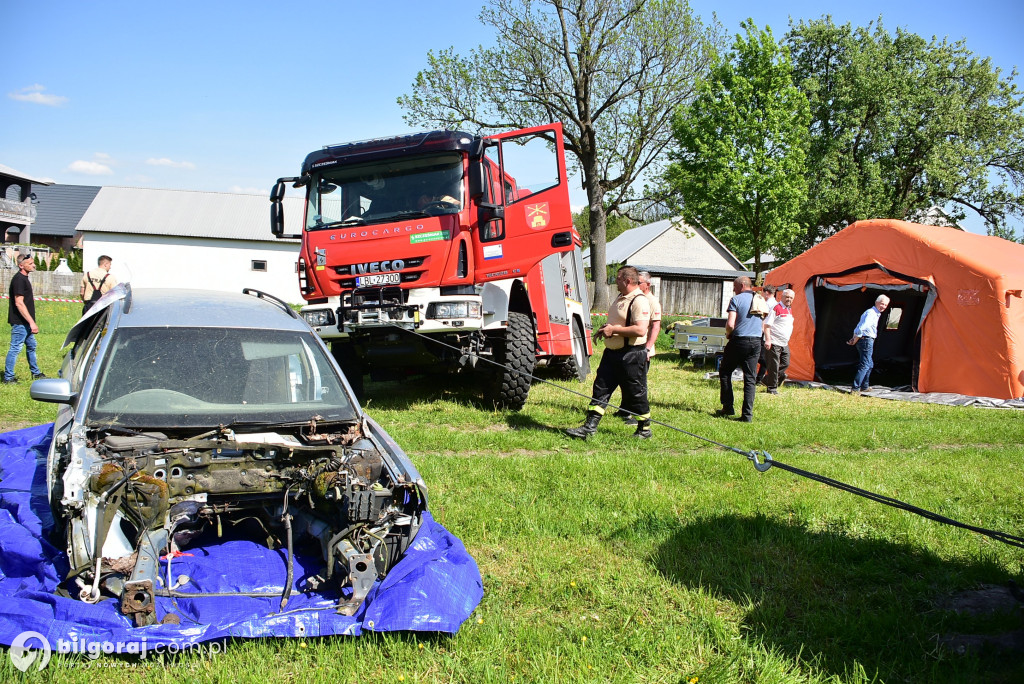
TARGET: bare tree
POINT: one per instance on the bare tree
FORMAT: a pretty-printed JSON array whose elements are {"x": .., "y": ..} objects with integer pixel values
[{"x": 612, "y": 71}]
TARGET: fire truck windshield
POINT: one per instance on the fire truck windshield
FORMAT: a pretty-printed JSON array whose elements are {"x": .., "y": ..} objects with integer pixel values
[{"x": 386, "y": 190}]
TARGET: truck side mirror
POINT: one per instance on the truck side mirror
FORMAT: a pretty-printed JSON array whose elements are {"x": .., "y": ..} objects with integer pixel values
[
  {"x": 277, "y": 193},
  {"x": 276, "y": 218},
  {"x": 490, "y": 211},
  {"x": 477, "y": 179},
  {"x": 277, "y": 208}
]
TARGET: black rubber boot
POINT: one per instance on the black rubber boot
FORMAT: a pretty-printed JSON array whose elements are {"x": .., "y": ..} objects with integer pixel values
[
  {"x": 588, "y": 428},
  {"x": 643, "y": 430}
]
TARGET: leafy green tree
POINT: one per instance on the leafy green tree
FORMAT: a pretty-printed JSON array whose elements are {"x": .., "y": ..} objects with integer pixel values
[
  {"x": 739, "y": 168},
  {"x": 1005, "y": 232},
  {"x": 901, "y": 125},
  {"x": 611, "y": 71}
]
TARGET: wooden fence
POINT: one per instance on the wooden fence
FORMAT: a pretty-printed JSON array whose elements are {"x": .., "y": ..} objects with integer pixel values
[
  {"x": 45, "y": 283},
  {"x": 681, "y": 295}
]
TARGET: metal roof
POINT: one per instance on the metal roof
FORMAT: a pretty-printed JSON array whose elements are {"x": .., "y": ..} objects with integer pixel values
[
  {"x": 60, "y": 207},
  {"x": 619, "y": 250},
  {"x": 187, "y": 213},
  {"x": 14, "y": 173},
  {"x": 710, "y": 273}
]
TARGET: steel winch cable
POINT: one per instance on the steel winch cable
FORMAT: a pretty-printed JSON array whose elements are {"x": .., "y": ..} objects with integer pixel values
[{"x": 763, "y": 461}]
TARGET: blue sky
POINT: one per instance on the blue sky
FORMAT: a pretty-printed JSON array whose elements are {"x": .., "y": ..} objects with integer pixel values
[{"x": 227, "y": 96}]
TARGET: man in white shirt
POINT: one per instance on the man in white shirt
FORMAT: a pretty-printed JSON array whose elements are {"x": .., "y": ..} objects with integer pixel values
[
  {"x": 864, "y": 339},
  {"x": 768, "y": 292},
  {"x": 778, "y": 328}
]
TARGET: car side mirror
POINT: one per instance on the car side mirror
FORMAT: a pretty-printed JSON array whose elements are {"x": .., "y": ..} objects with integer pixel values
[{"x": 53, "y": 390}]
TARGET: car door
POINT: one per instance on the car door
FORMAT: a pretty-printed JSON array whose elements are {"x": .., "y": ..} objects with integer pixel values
[{"x": 529, "y": 217}]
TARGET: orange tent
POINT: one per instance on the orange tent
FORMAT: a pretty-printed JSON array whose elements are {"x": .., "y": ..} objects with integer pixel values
[{"x": 955, "y": 321}]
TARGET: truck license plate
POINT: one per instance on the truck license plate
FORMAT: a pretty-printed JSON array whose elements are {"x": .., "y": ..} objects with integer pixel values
[
  {"x": 378, "y": 279},
  {"x": 692, "y": 338}
]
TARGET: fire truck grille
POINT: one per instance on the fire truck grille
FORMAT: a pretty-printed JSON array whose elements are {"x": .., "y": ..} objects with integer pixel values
[{"x": 351, "y": 270}]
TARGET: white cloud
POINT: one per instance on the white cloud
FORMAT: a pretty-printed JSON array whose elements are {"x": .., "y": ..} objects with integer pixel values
[
  {"x": 164, "y": 161},
  {"x": 238, "y": 189},
  {"x": 90, "y": 168},
  {"x": 35, "y": 95}
]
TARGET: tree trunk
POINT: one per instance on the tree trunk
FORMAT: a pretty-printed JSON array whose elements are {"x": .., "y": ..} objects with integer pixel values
[{"x": 598, "y": 235}]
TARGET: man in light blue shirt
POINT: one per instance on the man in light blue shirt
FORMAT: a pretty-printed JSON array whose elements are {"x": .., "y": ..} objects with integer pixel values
[
  {"x": 864, "y": 338},
  {"x": 743, "y": 328}
]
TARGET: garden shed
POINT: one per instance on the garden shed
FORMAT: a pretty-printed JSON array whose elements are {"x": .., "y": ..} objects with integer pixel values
[
  {"x": 691, "y": 270},
  {"x": 955, "y": 322}
]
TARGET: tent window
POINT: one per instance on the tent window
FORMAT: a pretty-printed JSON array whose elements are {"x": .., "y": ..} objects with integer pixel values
[{"x": 895, "y": 316}]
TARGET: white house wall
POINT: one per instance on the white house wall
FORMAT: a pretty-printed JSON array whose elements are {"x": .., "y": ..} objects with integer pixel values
[
  {"x": 674, "y": 249},
  {"x": 183, "y": 262}
]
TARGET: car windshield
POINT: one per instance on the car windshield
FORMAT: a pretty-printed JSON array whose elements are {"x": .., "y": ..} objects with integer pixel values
[
  {"x": 384, "y": 191},
  {"x": 204, "y": 377}
]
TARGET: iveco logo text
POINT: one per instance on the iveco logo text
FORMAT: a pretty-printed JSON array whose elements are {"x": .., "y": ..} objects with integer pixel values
[
  {"x": 378, "y": 266},
  {"x": 378, "y": 232}
]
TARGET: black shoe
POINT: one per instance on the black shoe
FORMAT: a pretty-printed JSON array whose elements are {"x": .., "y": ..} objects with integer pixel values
[
  {"x": 745, "y": 419},
  {"x": 643, "y": 430},
  {"x": 12, "y": 381},
  {"x": 588, "y": 428},
  {"x": 38, "y": 376},
  {"x": 622, "y": 413},
  {"x": 629, "y": 419},
  {"x": 723, "y": 412},
  {"x": 772, "y": 390}
]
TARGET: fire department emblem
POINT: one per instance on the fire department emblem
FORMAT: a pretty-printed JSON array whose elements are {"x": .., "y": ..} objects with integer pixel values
[{"x": 537, "y": 215}]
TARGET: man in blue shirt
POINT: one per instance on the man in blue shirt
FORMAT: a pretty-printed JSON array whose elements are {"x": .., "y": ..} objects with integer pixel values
[
  {"x": 741, "y": 351},
  {"x": 864, "y": 338}
]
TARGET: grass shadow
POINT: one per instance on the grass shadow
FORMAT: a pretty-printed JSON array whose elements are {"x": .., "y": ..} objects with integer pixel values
[
  {"x": 837, "y": 600},
  {"x": 417, "y": 389}
]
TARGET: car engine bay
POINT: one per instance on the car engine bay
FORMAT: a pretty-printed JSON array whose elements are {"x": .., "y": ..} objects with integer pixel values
[{"x": 125, "y": 499}]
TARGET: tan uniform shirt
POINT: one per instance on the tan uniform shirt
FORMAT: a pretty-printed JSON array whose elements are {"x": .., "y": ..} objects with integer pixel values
[
  {"x": 617, "y": 316},
  {"x": 95, "y": 276},
  {"x": 655, "y": 313}
]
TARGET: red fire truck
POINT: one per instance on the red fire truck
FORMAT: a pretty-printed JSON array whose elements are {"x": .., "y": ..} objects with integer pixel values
[{"x": 442, "y": 251}]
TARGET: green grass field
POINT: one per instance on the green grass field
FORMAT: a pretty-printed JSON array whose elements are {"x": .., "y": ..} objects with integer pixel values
[{"x": 670, "y": 560}]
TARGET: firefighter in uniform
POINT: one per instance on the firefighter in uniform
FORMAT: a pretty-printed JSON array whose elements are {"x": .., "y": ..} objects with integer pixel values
[{"x": 624, "y": 362}]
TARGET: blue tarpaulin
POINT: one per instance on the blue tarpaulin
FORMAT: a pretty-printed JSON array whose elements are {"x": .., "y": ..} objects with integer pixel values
[{"x": 435, "y": 586}]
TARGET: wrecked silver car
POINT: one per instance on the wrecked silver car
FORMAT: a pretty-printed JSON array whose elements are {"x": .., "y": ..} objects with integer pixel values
[{"x": 182, "y": 413}]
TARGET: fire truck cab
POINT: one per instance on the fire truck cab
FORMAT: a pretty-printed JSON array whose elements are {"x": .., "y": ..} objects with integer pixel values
[{"x": 444, "y": 251}]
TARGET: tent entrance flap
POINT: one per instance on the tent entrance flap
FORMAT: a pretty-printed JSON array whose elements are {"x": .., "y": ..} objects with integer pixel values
[{"x": 838, "y": 308}]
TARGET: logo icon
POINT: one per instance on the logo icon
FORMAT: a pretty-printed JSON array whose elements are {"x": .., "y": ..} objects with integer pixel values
[
  {"x": 537, "y": 215},
  {"x": 23, "y": 656}
]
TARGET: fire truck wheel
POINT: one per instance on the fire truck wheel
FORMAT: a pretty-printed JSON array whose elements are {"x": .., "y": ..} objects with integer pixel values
[
  {"x": 577, "y": 366},
  {"x": 510, "y": 386}
]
